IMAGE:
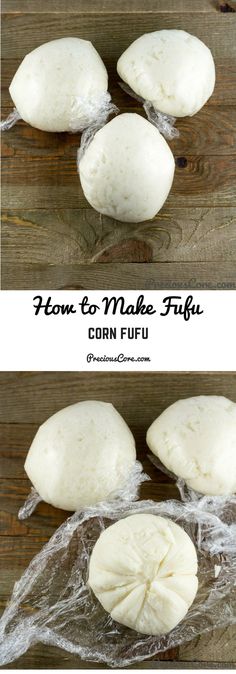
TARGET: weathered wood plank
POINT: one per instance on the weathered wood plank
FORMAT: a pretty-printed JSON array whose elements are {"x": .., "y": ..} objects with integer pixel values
[
  {"x": 15, "y": 441},
  {"x": 111, "y": 35},
  {"x": 47, "y": 657},
  {"x": 73, "y": 236},
  {"x": 211, "y": 132},
  {"x": 109, "y": 6},
  {"x": 30, "y": 397},
  {"x": 157, "y": 276},
  {"x": 44, "y": 657},
  {"x": 23, "y": 548},
  {"x": 46, "y": 518},
  {"x": 41, "y": 657},
  {"x": 204, "y": 181},
  {"x": 187, "y": 665},
  {"x": 40, "y": 525},
  {"x": 218, "y": 645}
]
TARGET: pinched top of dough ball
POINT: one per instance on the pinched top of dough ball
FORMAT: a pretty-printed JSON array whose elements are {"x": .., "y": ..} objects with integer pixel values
[
  {"x": 195, "y": 438},
  {"x": 127, "y": 170},
  {"x": 143, "y": 571},
  {"x": 172, "y": 69},
  {"x": 58, "y": 86},
  {"x": 80, "y": 455}
]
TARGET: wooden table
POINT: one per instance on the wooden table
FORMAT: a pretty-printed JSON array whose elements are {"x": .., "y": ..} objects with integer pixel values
[
  {"x": 51, "y": 236},
  {"x": 26, "y": 400}
]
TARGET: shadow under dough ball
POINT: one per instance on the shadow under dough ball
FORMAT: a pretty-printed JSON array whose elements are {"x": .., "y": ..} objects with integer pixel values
[{"x": 127, "y": 170}]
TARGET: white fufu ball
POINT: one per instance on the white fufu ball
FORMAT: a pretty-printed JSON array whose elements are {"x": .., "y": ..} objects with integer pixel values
[
  {"x": 143, "y": 571},
  {"x": 80, "y": 455},
  {"x": 172, "y": 69},
  {"x": 195, "y": 438},
  {"x": 127, "y": 170},
  {"x": 59, "y": 86}
]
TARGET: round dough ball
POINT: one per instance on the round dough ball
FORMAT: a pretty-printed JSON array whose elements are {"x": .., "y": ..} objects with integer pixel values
[
  {"x": 195, "y": 438},
  {"x": 143, "y": 571},
  {"x": 80, "y": 455},
  {"x": 58, "y": 86},
  {"x": 170, "y": 68},
  {"x": 127, "y": 170}
]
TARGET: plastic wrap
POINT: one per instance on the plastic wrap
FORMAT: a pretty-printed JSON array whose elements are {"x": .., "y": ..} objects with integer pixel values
[
  {"x": 52, "y": 603},
  {"x": 163, "y": 122},
  {"x": 186, "y": 492},
  {"x": 10, "y": 121},
  {"x": 89, "y": 133},
  {"x": 95, "y": 112},
  {"x": 128, "y": 492},
  {"x": 85, "y": 113},
  {"x": 30, "y": 504}
]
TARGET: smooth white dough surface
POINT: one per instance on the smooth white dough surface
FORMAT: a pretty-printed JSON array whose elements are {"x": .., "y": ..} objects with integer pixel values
[
  {"x": 127, "y": 170},
  {"x": 172, "y": 69},
  {"x": 195, "y": 438},
  {"x": 59, "y": 84},
  {"x": 143, "y": 571},
  {"x": 80, "y": 455}
]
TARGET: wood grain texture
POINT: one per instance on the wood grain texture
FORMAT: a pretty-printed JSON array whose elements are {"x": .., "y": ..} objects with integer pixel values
[
  {"x": 111, "y": 34},
  {"x": 221, "y": 641},
  {"x": 30, "y": 397},
  {"x": 202, "y": 133},
  {"x": 69, "y": 236},
  {"x": 207, "y": 181},
  {"x": 152, "y": 276},
  {"x": 54, "y": 658},
  {"x": 48, "y": 227},
  {"x": 26, "y": 400},
  {"x": 109, "y": 6}
]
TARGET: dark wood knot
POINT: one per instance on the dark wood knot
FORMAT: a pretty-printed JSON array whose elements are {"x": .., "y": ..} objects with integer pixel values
[
  {"x": 181, "y": 162},
  {"x": 128, "y": 250},
  {"x": 225, "y": 7}
]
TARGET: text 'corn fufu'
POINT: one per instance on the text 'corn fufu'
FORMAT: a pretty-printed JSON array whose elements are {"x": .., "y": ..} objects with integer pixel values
[
  {"x": 143, "y": 571},
  {"x": 127, "y": 170},
  {"x": 172, "y": 69},
  {"x": 80, "y": 455},
  {"x": 195, "y": 438},
  {"x": 59, "y": 85}
]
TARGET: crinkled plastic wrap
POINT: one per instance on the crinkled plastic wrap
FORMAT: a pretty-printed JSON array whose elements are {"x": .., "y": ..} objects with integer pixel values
[
  {"x": 163, "y": 122},
  {"x": 85, "y": 113},
  {"x": 89, "y": 133},
  {"x": 95, "y": 112},
  {"x": 186, "y": 492},
  {"x": 128, "y": 492},
  {"x": 53, "y": 604},
  {"x": 10, "y": 121}
]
